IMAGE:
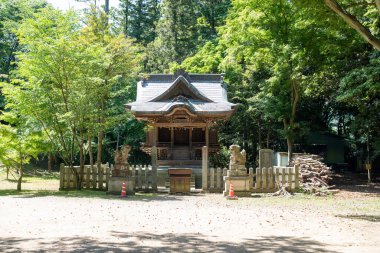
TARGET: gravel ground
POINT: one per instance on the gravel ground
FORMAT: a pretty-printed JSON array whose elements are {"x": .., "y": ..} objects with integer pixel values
[{"x": 195, "y": 223}]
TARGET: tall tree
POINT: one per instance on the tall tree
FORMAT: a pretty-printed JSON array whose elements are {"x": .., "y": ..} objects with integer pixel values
[
  {"x": 212, "y": 15},
  {"x": 68, "y": 77},
  {"x": 139, "y": 18},
  {"x": 12, "y": 13},
  {"x": 363, "y": 16},
  {"x": 177, "y": 34},
  {"x": 21, "y": 140},
  {"x": 276, "y": 47}
]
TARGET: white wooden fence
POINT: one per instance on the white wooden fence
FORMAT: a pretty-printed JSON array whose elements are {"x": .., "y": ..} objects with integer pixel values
[
  {"x": 98, "y": 179},
  {"x": 270, "y": 179},
  {"x": 215, "y": 179},
  {"x": 144, "y": 178},
  {"x": 92, "y": 177},
  {"x": 261, "y": 180}
]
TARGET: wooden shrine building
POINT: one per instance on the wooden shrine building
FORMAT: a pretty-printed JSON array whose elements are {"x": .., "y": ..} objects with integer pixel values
[{"x": 179, "y": 110}]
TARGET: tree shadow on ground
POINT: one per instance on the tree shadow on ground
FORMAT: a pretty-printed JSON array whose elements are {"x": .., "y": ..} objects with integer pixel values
[
  {"x": 356, "y": 183},
  {"x": 139, "y": 196},
  {"x": 147, "y": 242},
  {"x": 372, "y": 218}
]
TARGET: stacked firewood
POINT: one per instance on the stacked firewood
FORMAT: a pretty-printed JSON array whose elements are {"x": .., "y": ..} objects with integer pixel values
[{"x": 315, "y": 176}]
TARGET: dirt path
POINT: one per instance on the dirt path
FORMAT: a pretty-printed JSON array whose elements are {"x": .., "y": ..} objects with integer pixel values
[{"x": 201, "y": 223}]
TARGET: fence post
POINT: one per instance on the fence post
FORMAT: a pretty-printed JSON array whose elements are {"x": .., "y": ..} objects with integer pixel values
[
  {"x": 134, "y": 175},
  {"x": 277, "y": 178},
  {"x": 87, "y": 171},
  {"x": 66, "y": 179},
  {"x": 283, "y": 176},
  {"x": 271, "y": 186},
  {"x": 250, "y": 179},
  {"x": 139, "y": 177},
  {"x": 258, "y": 178},
  {"x": 290, "y": 178},
  {"x": 145, "y": 177},
  {"x": 212, "y": 179},
  {"x": 100, "y": 176},
  {"x": 204, "y": 167},
  {"x": 154, "y": 168},
  {"x": 297, "y": 176},
  {"x": 61, "y": 176},
  {"x": 75, "y": 177},
  {"x": 264, "y": 177},
  {"x": 107, "y": 175},
  {"x": 93, "y": 176},
  {"x": 219, "y": 179}
]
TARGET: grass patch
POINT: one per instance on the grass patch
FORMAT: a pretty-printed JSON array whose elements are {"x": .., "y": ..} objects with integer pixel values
[
  {"x": 72, "y": 194},
  {"x": 42, "y": 180}
]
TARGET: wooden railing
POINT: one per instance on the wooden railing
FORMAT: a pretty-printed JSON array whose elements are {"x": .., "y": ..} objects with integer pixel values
[
  {"x": 93, "y": 178},
  {"x": 98, "y": 179},
  {"x": 261, "y": 180}
]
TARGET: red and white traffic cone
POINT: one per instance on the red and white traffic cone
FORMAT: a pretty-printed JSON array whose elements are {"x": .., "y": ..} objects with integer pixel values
[
  {"x": 123, "y": 191},
  {"x": 231, "y": 194}
]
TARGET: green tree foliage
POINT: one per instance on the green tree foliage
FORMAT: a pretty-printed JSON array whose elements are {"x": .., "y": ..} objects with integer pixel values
[
  {"x": 70, "y": 78},
  {"x": 12, "y": 12},
  {"x": 183, "y": 27},
  {"x": 360, "y": 90},
  {"x": 177, "y": 35},
  {"x": 281, "y": 59},
  {"x": 363, "y": 16},
  {"x": 20, "y": 141},
  {"x": 212, "y": 15},
  {"x": 138, "y": 18}
]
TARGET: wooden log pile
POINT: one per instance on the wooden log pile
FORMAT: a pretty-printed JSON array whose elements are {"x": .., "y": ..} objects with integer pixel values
[{"x": 315, "y": 176}]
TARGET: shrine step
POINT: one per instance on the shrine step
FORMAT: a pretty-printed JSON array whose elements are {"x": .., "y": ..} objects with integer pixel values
[{"x": 182, "y": 153}]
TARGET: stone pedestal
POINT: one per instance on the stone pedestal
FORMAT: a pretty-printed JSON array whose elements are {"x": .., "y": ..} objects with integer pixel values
[
  {"x": 237, "y": 174},
  {"x": 240, "y": 181},
  {"x": 115, "y": 184}
]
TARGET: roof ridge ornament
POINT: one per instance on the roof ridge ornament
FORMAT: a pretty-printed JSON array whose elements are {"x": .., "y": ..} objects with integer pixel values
[
  {"x": 180, "y": 98},
  {"x": 181, "y": 86},
  {"x": 181, "y": 72}
]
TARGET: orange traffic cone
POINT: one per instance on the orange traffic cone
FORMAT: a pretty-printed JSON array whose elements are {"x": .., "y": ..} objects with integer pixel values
[
  {"x": 231, "y": 194},
  {"x": 123, "y": 192}
]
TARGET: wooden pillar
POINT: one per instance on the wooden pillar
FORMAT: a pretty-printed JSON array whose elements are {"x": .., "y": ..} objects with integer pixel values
[
  {"x": 154, "y": 168},
  {"x": 207, "y": 136},
  {"x": 155, "y": 135},
  {"x": 171, "y": 137},
  {"x": 190, "y": 142},
  {"x": 204, "y": 167},
  {"x": 171, "y": 143}
]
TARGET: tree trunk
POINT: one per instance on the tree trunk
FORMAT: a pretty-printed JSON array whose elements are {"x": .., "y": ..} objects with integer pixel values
[
  {"x": 126, "y": 16},
  {"x": 107, "y": 6},
  {"x": 49, "y": 162},
  {"x": 20, "y": 173},
  {"x": 268, "y": 135},
  {"x": 81, "y": 164},
  {"x": 259, "y": 133},
  {"x": 289, "y": 124},
  {"x": 99, "y": 153},
  {"x": 290, "y": 142},
  {"x": 91, "y": 155},
  {"x": 368, "y": 159},
  {"x": 354, "y": 22}
]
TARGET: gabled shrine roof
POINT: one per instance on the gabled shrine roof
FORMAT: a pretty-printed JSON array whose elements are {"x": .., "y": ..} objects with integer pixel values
[{"x": 198, "y": 93}]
